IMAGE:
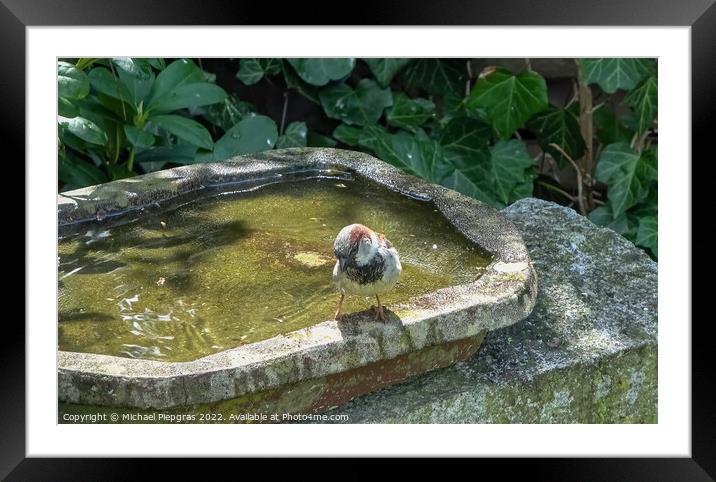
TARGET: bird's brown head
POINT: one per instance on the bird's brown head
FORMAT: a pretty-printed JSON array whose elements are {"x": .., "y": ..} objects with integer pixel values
[{"x": 355, "y": 244}]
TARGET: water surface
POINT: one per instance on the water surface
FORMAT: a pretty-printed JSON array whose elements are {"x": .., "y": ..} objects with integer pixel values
[{"x": 237, "y": 268}]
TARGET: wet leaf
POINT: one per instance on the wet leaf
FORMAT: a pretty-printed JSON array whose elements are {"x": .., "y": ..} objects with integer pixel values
[
  {"x": 294, "y": 136},
  {"x": 409, "y": 113},
  {"x": 627, "y": 175},
  {"x": 72, "y": 83},
  {"x": 363, "y": 105},
  {"x": 320, "y": 71},
  {"x": 385, "y": 69}
]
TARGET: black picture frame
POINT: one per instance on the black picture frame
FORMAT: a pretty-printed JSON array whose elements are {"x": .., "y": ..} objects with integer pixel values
[{"x": 700, "y": 15}]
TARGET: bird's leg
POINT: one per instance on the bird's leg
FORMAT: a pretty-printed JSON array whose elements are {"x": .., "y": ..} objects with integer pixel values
[
  {"x": 340, "y": 303},
  {"x": 379, "y": 311}
]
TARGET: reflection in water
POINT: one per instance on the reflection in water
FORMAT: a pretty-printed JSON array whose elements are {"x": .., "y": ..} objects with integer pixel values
[{"x": 233, "y": 269}]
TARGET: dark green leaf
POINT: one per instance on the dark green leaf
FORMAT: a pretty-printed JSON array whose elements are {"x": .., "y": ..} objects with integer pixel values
[
  {"x": 466, "y": 139},
  {"x": 347, "y": 135},
  {"x": 500, "y": 178},
  {"x": 616, "y": 73},
  {"x": 228, "y": 113},
  {"x": 83, "y": 63},
  {"x": 138, "y": 137},
  {"x": 409, "y": 113},
  {"x": 437, "y": 76},
  {"x": 252, "y": 134},
  {"x": 139, "y": 68},
  {"x": 72, "y": 83},
  {"x": 609, "y": 128},
  {"x": 321, "y": 71},
  {"x": 178, "y": 73},
  {"x": 647, "y": 234},
  {"x": 294, "y": 136},
  {"x": 78, "y": 173},
  {"x": 385, "y": 69},
  {"x": 561, "y": 127},
  {"x": 156, "y": 157},
  {"x": 66, "y": 108},
  {"x": 188, "y": 96},
  {"x": 119, "y": 171},
  {"x": 319, "y": 140},
  {"x": 293, "y": 81},
  {"x": 187, "y": 129},
  {"x": 627, "y": 175},
  {"x": 138, "y": 88},
  {"x": 416, "y": 154},
  {"x": 622, "y": 224},
  {"x": 253, "y": 70},
  {"x": 85, "y": 129},
  {"x": 644, "y": 102},
  {"x": 104, "y": 81},
  {"x": 362, "y": 106},
  {"x": 510, "y": 100},
  {"x": 158, "y": 64}
]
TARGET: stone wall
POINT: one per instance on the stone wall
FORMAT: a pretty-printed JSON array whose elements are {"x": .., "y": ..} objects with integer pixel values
[{"x": 587, "y": 353}]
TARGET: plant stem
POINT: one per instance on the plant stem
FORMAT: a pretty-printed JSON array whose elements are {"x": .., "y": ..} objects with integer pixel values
[
  {"x": 130, "y": 161},
  {"x": 586, "y": 126},
  {"x": 556, "y": 189},
  {"x": 580, "y": 180},
  {"x": 283, "y": 114}
]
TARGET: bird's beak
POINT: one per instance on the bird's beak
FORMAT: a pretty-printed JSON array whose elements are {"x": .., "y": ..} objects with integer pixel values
[{"x": 342, "y": 262}]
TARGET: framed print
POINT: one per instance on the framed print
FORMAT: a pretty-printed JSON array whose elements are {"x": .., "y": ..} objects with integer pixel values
[{"x": 250, "y": 235}]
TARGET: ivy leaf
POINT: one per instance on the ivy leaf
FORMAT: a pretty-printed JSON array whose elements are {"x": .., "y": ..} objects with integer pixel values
[
  {"x": 362, "y": 106},
  {"x": 466, "y": 139},
  {"x": 647, "y": 234},
  {"x": 385, "y": 69},
  {"x": 321, "y": 71},
  {"x": 510, "y": 100},
  {"x": 72, "y": 83},
  {"x": 609, "y": 128},
  {"x": 416, "y": 154},
  {"x": 138, "y": 137},
  {"x": 560, "y": 127},
  {"x": 437, "y": 76},
  {"x": 85, "y": 129},
  {"x": 228, "y": 113},
  {"x": 189, "y": 96},
  {"x": 294, "y": 136},
  {"x": 473, "y": 187},
  {"x": 623, "y": 224},
  {"x": 615, "y": 73},
  {"x": 253, "y": 70},
  {"x": 409, "y": 113},
  {"x": 644, "y": 102},
  {"x": 253, "y": 134},
  {"x": 347, "y": 134},
  {"x": 626, "y": 174},
  {"x": 186, "y": 129},
  {"x": 293, "y": 81},
  {"x": 500, "y": 178}
]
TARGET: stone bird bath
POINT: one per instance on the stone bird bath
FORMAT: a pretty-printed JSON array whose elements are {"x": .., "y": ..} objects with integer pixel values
[{"x": 309, "y": 369}]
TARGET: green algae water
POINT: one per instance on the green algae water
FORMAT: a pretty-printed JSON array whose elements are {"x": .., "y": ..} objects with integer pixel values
[{"x": 237, "y": 268}]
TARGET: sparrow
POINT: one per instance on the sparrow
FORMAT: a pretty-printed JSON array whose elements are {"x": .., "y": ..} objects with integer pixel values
[{"x": 367, "y": 265}]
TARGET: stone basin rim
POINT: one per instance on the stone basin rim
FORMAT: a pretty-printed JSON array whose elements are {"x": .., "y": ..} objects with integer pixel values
[{"x": 503, "y": 295}]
